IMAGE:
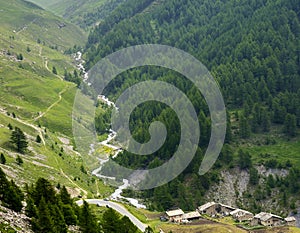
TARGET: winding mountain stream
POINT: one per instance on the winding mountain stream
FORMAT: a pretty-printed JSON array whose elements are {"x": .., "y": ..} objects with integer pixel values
[{"x": 107, "y": 143}]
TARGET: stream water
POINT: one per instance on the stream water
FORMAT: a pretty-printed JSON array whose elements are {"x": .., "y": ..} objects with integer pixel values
[{"x": 107, "y": 143}]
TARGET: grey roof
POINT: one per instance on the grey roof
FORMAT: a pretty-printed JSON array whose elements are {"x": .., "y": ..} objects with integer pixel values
[
  {"x": 240, "y": 212},
  {"x": 173, "y": 213},
  {"x": 290, "y": 219},
  {"x": 206, "y": 206},
  {"x": 194, "y": 214},
  {"x": 266, "y": 216},
  {"x": 228, "y": 206}
]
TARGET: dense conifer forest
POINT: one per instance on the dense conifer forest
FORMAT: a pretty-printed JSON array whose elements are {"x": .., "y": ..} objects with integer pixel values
[{"x": 252, "y": 48}]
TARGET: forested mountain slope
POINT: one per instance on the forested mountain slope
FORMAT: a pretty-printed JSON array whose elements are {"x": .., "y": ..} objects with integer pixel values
[{"x": 253, "y": 49}]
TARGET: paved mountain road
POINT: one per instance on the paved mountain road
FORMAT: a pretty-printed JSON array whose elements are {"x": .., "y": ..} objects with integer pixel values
[{"x": 119, "y": 208}]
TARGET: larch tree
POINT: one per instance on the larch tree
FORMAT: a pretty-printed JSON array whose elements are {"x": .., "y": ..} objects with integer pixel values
[{"x": 18, "y": 138}]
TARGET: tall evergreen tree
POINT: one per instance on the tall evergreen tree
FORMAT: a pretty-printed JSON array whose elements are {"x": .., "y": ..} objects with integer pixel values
[
  {"x": 19, "y": 160},
  {"x": 228, "y": 137},
  {"x": 19, "y": 140},
  {"x": 14, "y": 197},
  {"x": 110, "y": 222},
  {"x": 244, "y": 127},
  {"x": 38, "y": 139},
  {"x": 290, "y": 125},
  {"x": 43, "y": 223},
  {"x": 65, "y": 196},
  {"x": 87, "y": 221},
  {"x": 43, "y": 189},
  {"x": 54, "y": 70},
  {"x": 244, "y": 159},
  {"x": 10, "y": 126},
  {"x": 10, "y": 194},
  {"x": 2, "y": 159},
  {"x": 3, "y": 184},
  {"x": 30, "y": 210},
  {"x": 69, "y": 215},
  {"x": 127, "y": 226},
  {"x": 59, "y": 224},
  {"x": 265, "y": 121}
]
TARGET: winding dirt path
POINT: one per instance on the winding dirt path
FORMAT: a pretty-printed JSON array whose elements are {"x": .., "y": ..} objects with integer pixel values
[
  {"x": 26, "y": 26},
  {"x": 67, "y": 87},
  {"x": 36, "y": 128},
  {"x": 64, "y": 174}
]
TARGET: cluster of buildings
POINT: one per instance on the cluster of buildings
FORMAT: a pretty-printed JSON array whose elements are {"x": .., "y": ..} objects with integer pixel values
[{"x": 213, "y": 209}]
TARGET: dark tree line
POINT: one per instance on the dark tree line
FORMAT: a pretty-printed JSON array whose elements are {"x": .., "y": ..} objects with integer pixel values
[
  {"x": 53, "y": 211},
  {"x": 73, "y": 77},
  {"x": 10, "y": 194}
]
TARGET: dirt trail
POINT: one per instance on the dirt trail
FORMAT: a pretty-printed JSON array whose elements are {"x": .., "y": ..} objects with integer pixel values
[
  {"x": 46, "y": 66},
  {"x": 39, "y": 130},
  {"x": 54, "y": 104},
  {"x": 64, "y": 174},
  {"x": 26, "y": 26}
]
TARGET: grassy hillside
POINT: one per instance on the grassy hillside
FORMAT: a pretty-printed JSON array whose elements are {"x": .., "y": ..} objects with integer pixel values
[
  {"x": 81, "y": 12},
  {"x": 60, "y": 7},
  {"x": 38, "y": 101},
  {"x": 24, "y": 18}
]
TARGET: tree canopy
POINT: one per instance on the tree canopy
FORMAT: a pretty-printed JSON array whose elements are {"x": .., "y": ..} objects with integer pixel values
[{"x": 18, "y": 138}]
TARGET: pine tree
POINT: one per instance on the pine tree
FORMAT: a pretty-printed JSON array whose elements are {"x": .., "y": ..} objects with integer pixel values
[
  {"x": 290, "y": 125},
  {"x": 244, "y": 159},
  {"x": 228, "y": 137},
  {"x": 65, "y": 196},
  {"x": 265, "y": 121},
  {"x": 3, "y": 184},
  {"x": 59, "y": 224},
  {"x": 69, "y": 215},
  {"x": 20, "y": 57},
  {"x": 43, "y": 223},
  {"x": 149, "y": 230},
  {"x": 244, "y": 126},
  {"x": 87, "y": 221},
  {"x": 2, "y": 159},
  {"x": 54, "y": 71},
  {"x": 14, "y": 197},
  {"x": 43, "y": 189},
  {"x": 111, "y": 222},
  {"x": 271, "y": 181},
  {"x": 19, "y": 160},
  {"x": 18, "y": 138},
  {"x": 30, "y": 210},
  {"x": 127, "y": 225},
  {"x": 256, "y": 118},
  {"x": 10, "y": 194},
  {"x": 226, "y": 154},
  {"x": 10, "y": 126},
  {"x": 38, "y": 139}
]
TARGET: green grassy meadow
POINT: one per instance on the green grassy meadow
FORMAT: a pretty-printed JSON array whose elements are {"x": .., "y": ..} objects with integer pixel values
[
  {"x": 62, "y": 8},
  {"x": 39, "y": 102}
]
